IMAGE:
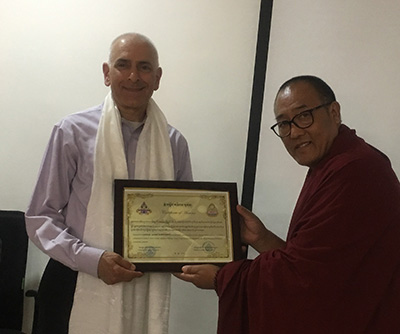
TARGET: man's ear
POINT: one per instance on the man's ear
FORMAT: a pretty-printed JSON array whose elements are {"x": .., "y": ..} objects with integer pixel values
[
  {"x": 106, "y": 73},
  {"x": 158, "y": 78}
]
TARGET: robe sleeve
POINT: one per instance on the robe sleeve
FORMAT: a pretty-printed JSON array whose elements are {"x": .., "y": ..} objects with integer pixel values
[{"x": 343, "y": 241}]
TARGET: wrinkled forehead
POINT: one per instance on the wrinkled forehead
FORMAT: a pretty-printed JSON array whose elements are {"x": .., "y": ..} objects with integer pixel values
[
  {"x": 294, "y": 98},
  {"x": 297, "y": 90},
  {"x": 129, "y": 47}
]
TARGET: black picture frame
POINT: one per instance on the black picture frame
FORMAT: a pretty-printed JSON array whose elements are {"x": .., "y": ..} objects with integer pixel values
[{"x": 123, "y": 186}]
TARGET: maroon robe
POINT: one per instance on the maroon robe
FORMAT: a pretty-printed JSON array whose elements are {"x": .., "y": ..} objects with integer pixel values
[{"x": 340, "y": 270}]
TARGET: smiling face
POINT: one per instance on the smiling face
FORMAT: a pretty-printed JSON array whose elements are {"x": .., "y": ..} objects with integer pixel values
[
  {"x": 133, "y": 75},
  {"x": 307, "y": 146}
]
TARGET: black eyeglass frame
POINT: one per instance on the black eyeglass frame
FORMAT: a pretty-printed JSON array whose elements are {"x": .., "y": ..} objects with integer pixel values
[{"x": 292, "y": 121}]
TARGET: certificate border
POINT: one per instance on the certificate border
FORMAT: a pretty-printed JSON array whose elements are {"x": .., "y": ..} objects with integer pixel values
[{"x": 229, "y": 187}]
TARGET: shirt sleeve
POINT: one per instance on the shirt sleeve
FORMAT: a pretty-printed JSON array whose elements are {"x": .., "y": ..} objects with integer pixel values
[
  {"x": 46, "y": 222},
  {"x": 181, "y": 156}
]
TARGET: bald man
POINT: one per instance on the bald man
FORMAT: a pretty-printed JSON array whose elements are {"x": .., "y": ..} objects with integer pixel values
[{"x": 86, "y": 287}]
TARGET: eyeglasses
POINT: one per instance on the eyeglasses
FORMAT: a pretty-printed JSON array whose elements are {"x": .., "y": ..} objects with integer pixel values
[{"x": 303, "y": 120}]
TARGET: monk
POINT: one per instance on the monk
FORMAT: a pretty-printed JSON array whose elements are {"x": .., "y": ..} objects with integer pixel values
[{"x": 338, "y": 271}]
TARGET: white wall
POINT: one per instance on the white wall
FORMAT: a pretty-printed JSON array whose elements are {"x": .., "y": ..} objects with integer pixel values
[
  {"x": 353, "y": 45},
  {"x": 51, "y": 57}
]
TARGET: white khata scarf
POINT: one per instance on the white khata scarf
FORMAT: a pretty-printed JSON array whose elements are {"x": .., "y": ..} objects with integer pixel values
[{"x": 142, "y": 305}]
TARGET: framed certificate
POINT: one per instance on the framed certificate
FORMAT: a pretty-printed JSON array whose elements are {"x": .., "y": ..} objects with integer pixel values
[{"x": 163, "y": 225}]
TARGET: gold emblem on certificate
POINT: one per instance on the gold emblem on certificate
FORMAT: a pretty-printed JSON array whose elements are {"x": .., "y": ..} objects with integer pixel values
[{"x": 162, "y": 225}]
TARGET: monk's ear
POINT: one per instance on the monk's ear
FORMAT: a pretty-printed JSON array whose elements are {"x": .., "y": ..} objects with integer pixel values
[
  {"x": 106, "y": 73},
  {"x": 335, "y": 112}
]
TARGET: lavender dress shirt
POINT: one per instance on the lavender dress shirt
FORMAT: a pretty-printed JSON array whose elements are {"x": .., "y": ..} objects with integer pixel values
[{"x": 55, "y": 218}]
